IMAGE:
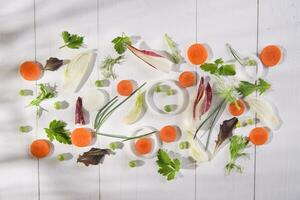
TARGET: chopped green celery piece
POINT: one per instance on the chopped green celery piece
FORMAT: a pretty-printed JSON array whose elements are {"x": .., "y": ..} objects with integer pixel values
[{"x": 184, "y": 145}]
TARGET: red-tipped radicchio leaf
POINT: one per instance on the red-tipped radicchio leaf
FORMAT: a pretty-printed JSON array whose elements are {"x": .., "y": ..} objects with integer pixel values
[
  {"x": 208, "y": 99},
  {"x": 200, "y": 93},
  {"x": 152, "y": 58},
  {"x": 94, "y": 156},
  {"x": 53, "y": 64},
  {"x": 225, "y": 131},
  {"x": 79, "y": 117}
]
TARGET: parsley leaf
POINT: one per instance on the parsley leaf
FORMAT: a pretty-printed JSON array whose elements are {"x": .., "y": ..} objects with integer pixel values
[
  {"x": 238, "y": 144},
  {"x": 219, "y": 68},
  {"x": 57, "y": 131},
  {"x": 246, "y": 88},
  {"x": 167, "y": 167},
  {"x": 108, "y": 64},
  {"x": 72, "y": 41},
  {"x": 120, "y": 43}
]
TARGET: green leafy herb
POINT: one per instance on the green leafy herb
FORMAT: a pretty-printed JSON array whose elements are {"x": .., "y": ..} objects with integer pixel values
[
  {"x": 45, "y": 92},
  {"x": 120, "y": 43},
  {"x": 219, "y": 68},
  {"x": 167, "y": 167},
  {"x": 57, "y": 131},
  {"x": 238, "y": 144},
  {"x": 246, "y": 88},
  {"x": 168, "y": 108},
  {"x": 108, "y": 64},
  {"x": 72, "y": 41},
  {"x": 175, "y": 53}
]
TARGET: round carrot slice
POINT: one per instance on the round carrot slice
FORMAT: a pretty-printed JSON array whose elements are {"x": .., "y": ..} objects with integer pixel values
[
  {"x": 168, "y": 134},
  {"x": 125, "y": 87},
  {"x": 31, "y": 71},
  {"x": 197, "y": 54},
  {"x": 40, "y": 148},
  {"x": 81, "y": 137},
  {"x": 187, "y": 79},
  {"x": 259, "y": 136},
  {"x": 237, "y": 108},
  {"x": 143, "y": 146},
  {"x": 270, "y": 55}
]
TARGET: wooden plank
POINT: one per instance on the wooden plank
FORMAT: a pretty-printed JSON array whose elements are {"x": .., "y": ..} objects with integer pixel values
[
  {"x": 278, "y": 162},
  {"x": 232, "y": 22},
  {"x": 17, "y": 168},
  {"x": 67, "y": 179},
  {"x": 150, "y": 20}
]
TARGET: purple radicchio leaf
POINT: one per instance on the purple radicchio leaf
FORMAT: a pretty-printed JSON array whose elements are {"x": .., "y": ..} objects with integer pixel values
[
  {"x": 225, "y": 132},
  {"x": 94, "y": 156},
  {"x": 79, "y": 117},
  {"x": 208, "y": 99},
  {"x": 53, "y": 64},
  {"x": 200, "y": 93}
]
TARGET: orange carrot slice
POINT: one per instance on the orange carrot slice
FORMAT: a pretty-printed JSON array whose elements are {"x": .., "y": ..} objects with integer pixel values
[
  {"x": 168, "y": 134},
  {"x": 125, "y": 87},
  {"x": 143, "y": 146},
  {"x": 270, "y": 55},
  {"x": 237, "y": 108},
  {"x": 259, "y": 136},
  {"x": 40, "y": 148},
  {"x": 197, "y": 54},
  {"x": 81, "y": 137},
  {"x": 187, "y": 79},
  {"x": 31, "y": 71}
]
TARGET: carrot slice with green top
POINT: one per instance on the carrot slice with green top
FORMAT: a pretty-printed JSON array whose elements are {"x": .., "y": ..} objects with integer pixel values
[
  {"x": 270, "y": 55},
  {"x": 197, "y": 54},
  {"x": 31, "y": 71},
  {"x": 259, "y": 136},
  {"x": 40, "y": 148},
  {"x": 143, "y": 146},
  {"x": 168, "y": 134},
  {"x": 237, "y": 108},
  {"x": 125, "y": 87},
  {"x": 81, "y": 137},
  {"x": 187, "y": 79}
]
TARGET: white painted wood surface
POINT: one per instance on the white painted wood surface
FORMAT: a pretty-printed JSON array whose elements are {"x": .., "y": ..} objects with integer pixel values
[{"x": 247, "y": 25}]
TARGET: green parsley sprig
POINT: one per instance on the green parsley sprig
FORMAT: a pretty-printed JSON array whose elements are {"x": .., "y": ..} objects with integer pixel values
[
  {"x": 72, "y": 41},
  {"x": 238, "y": 144},
  {"x": 57, "y": 131},
  {"x": 219, "y": 68},
  {"x": 167, "y": 167},
  {"x": 120, "y": 43},
  {"x": 246, "y": 88}
]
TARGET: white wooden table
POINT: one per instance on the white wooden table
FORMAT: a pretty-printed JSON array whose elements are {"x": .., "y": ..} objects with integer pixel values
[{"x": 30, "y": 29}]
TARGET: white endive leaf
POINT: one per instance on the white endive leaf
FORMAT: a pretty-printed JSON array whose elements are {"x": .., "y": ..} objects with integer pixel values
[
  {"x": 265, "y": 111},
  {"x": 136, "y": 112},
  {"x": 78, "y": 71},
  {"x": 197, "y": 149}
]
